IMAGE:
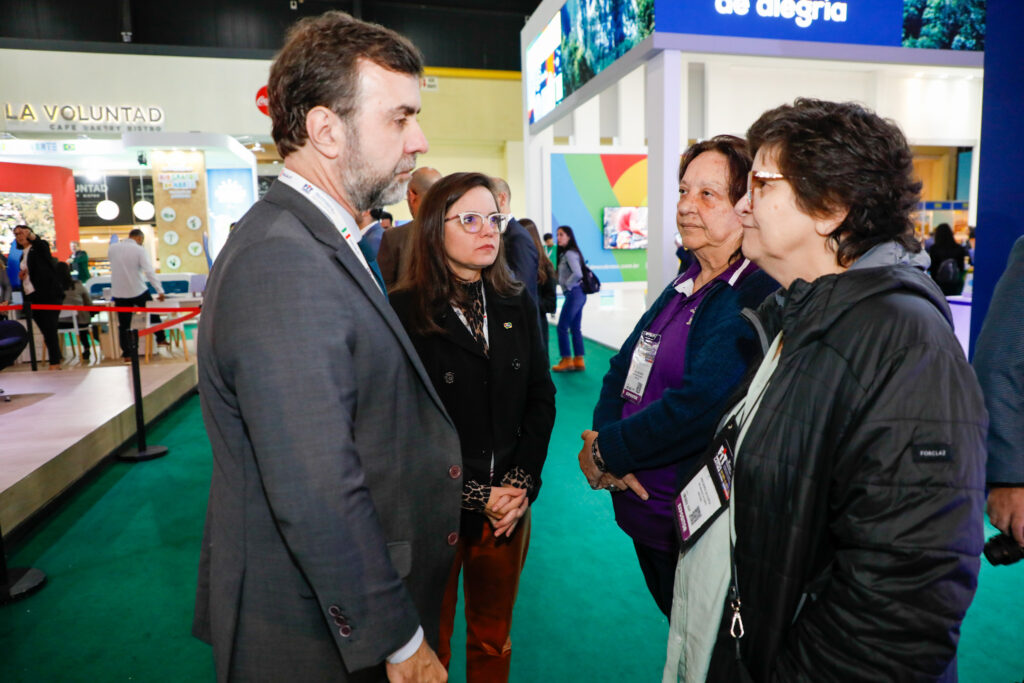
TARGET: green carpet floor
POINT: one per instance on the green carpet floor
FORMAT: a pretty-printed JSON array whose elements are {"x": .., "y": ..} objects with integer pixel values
[{"x": 121, "y": 559}]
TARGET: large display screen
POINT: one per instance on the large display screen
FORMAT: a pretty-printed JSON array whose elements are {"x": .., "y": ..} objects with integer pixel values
[
  {"x": 581, "y": 41},
  {"x": 23, "y": 208},
  {"x": 625, "y": 227},
  {"x": 544, "y": 71},
  {"x": 932, "y": 24}
]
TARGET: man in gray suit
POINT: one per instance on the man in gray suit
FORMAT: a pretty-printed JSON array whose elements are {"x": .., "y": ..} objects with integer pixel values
[
  {"x": 396, "y": 244},
  {"x": 334, "y": 505}
]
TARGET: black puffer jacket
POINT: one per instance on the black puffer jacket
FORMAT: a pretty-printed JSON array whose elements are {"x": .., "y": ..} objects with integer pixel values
[{"x": 844, "y": 491}]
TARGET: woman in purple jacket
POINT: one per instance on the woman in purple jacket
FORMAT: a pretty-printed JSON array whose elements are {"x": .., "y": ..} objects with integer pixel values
[{"x": 669, "y": 383}]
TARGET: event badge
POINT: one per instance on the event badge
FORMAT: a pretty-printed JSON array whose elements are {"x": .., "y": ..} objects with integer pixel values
[
  {"x": 640, "y": 367},
  {"x": 706, "y": 493}
]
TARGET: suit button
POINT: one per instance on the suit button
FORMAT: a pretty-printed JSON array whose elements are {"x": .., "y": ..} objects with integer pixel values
[
  {"x": 453, "y": 538},
  {"x": 345, "y": 631},
  {"x": 454, "y": 471},
  {"x": 449, "y": 378},
  {"x": 340, "y": 621},
  {"x": 334, "y": 611},
  {"x": 516, "y": 364}
]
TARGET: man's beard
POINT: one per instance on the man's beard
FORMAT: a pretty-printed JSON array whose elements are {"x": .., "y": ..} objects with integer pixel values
[{"x": 368, "y": 191}]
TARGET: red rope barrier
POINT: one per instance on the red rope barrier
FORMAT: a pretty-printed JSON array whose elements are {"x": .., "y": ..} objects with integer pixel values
[
  {"x": 190, "y": 312},
  {"x": 170, "y": 323}
]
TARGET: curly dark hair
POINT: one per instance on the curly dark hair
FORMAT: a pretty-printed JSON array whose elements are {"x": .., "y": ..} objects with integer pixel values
[
  {"x": 429, "y": 278},
  {"x": 842, "y": 156},
  {"x": 318, "y": 65},
  {"x": 735, "y": 151}
]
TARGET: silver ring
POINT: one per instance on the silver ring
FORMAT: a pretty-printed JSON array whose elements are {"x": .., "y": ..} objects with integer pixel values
[{"x": 611, "y": 487}]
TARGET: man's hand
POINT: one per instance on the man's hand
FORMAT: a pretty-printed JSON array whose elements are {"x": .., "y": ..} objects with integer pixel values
[
  {"x": 160, "y": 297},
  {"x": 586, "y": 458},
  {"x": 1006, "y": 511},
  {"x": 422, "y": 667}
]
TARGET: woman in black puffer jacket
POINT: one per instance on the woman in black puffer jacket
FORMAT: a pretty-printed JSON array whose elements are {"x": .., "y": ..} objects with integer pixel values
[{"x": 858, "y": 493}]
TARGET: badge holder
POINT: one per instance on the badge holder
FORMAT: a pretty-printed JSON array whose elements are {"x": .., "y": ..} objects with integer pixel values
[{"x": 705, "y": 495}]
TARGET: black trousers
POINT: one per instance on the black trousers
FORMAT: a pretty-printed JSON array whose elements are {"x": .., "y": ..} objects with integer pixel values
[
  {"x": 47, "y": 323},
  {"x": 85, "y": 334},
  {"x": 124, "y": 320},
  {"x": 659, "y": 568}
]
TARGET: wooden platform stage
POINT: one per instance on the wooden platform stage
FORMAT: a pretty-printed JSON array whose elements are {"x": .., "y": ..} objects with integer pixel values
[{"x": 59, "y": 425}]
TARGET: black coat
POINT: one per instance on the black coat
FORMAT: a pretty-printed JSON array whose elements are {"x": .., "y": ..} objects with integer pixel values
[
  {"x": 522, "y": 257},
  {"x": 503, "y": 403},
  {"x": 860, "y": 485},
  {"x": 42, "y": 271}
]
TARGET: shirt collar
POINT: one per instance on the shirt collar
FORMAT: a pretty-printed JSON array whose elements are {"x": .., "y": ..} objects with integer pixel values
[{"x": 737, "y": 269}]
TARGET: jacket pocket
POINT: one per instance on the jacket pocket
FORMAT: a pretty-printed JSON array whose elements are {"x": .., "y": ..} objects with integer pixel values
[{"x": 401, "y": 557}]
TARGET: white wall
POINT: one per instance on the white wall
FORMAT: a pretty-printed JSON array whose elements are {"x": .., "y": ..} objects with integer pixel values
[
  {"x": 932, "y": 109},
  {"x": 738, "y": 93}
]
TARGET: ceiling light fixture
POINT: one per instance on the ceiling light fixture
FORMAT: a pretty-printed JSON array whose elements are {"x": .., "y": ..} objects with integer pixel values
[
  {"x": 143, "y": 209},
  {"x": 107, "y": 210}
]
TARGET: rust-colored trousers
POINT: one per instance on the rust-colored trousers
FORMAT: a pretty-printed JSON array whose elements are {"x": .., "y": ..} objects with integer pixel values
[{"x": 490, "y": 584}]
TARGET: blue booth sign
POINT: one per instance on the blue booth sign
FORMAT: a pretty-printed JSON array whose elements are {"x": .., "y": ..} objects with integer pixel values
[{"x": 891, "y": 23}]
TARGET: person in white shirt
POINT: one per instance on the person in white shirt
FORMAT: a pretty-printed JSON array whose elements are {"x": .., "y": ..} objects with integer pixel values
[{"x": 130, "y": 267}]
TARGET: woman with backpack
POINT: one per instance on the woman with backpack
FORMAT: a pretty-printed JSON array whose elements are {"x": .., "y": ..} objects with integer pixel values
[
  {"x": 947, "y": 268},
  {"x": 570, "y": 279}
]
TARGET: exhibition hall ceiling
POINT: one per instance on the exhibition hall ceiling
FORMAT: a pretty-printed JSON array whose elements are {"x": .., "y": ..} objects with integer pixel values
[{"x": 473, "y": 34}]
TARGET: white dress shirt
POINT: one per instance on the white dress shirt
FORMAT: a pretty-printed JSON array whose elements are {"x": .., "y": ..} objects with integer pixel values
[{"x": 130, "y": 267}]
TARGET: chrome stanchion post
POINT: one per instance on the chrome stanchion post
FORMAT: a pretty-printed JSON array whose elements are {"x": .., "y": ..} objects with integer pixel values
[{"x": 144, "y": 451}]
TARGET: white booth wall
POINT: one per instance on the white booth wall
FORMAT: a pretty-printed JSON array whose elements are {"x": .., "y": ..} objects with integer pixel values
[{"x": 937, "y": 106}]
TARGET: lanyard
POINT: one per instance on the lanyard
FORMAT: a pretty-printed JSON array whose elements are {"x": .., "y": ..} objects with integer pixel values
[{"x": 336, "y": 214}]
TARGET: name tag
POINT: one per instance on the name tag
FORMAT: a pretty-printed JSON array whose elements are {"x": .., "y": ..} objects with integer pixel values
[
  {"x": 706, "y": 493},
  {"x": 640, "y": 366}
]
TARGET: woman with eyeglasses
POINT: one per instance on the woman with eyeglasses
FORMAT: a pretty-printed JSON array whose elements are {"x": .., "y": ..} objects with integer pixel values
[
  {"x": 476, "y": 331},
  {"x": 670, "y": 381},
  {"x": 846, "y": 545}
]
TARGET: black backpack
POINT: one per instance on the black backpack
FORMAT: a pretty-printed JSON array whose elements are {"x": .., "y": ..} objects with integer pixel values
[
  {"x": 590, "y": 283},
  {"x": 948, "y": 277}
]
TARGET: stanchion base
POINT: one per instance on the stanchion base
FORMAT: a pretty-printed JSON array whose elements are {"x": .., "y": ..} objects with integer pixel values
[
  {"x": 24, "y": 581},
  {"x": 150, "y": 453}
]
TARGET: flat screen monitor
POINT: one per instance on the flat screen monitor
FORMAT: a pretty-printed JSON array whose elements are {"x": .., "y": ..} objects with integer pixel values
[
  {"x": 625, "y": 227},
  {"x": 34, "y": 210},
  {"x": 544, "y": 71}
]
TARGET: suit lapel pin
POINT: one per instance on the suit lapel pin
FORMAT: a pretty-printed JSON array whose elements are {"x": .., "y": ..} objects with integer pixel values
[{"x": 508, "y": 326}]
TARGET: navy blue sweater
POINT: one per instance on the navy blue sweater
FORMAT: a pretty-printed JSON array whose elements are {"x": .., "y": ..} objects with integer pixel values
[{"x": 679, "y": 425}]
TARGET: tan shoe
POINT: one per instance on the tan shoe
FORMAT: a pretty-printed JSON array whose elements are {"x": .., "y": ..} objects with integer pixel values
[
  {"x": 564, "y": 365},
  {"x": 577, "y": 363}
]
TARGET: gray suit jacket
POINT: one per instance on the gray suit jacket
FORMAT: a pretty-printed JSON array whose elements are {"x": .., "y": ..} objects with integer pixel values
[{"x": 335, "y": 492}]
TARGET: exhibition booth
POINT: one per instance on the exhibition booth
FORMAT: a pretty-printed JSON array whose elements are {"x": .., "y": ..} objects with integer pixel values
[
  {"x": 182, "y": 189},
  {"x": 611, "y": 101}
]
